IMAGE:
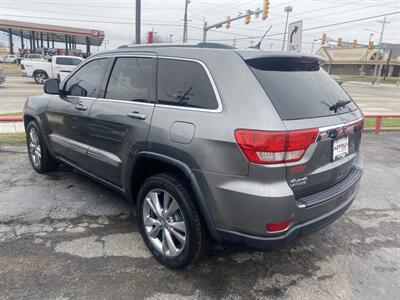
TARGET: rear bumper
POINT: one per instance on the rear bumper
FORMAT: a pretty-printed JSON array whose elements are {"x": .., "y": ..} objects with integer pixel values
[
  {"x": 267, "y": 243},
  {"x": 243, "y": 208}
]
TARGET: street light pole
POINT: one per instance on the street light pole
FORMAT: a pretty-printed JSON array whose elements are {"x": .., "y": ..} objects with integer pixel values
[
  {"x": 288, "y": 9},
  {"x": 312, "y": 47}
]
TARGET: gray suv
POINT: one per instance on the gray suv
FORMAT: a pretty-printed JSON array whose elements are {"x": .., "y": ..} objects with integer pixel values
[{"x": 211, "y": 143}]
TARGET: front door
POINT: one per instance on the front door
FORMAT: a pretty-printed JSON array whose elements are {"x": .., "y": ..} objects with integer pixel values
[
  {"x": 120, "y": 119},
  {"x": 66, "y": 114}
]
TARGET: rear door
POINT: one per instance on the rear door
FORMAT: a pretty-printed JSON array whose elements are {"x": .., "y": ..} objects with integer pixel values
[
  {"x": 304, "y": 96},
  {"x": 67, "y": 114},
  {"x": 120, "y": 119}
]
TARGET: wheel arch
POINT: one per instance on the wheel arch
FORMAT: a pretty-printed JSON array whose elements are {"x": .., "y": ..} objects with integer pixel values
[
  {"x": 145, "y": 164},
  {"x": 39, "y": 70},
  {"x": 30, "y": 117}
]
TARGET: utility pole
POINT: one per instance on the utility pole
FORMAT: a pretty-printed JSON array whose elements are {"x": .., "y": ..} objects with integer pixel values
[
  {"x": 288, "y": 9},
  {"x": 384, "y": 22},
  {"x": 185, "y": 20},
  {"x": 138, "y": 11},
  {"x": 366, "y": 56}
]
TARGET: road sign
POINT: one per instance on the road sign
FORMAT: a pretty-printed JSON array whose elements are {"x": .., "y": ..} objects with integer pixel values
[
  {"x": 379, "y": 46},
  {"x": 294, "y": 36}
]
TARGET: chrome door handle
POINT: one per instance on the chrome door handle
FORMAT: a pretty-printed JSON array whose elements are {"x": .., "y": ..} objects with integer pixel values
[
  {"x": 136, "y": 115},
  {"x": 80, "y": 106}
]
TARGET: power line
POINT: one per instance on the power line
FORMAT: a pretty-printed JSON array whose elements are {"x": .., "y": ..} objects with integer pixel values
[{"x": 322, "y": 26}]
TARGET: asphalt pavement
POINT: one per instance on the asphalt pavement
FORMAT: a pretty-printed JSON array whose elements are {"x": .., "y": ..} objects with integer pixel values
[
  {"x": 64, "y": 236},
  {"x": 372, "y": 99}
]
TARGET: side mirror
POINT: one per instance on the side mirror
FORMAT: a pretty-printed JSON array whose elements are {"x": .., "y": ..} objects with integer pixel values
[{"x": 52, "y": 87}]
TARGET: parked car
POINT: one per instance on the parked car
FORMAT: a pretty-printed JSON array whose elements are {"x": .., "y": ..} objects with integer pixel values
[
  {"x": 1, "y": 60},
  {"x": 33, "y": 56},
  {"x": 337, "y": 78},
  {"x": 2, "y": 77},
  {"x": 242, "y": 147},
  {"x": 11, "y": 59},
  {"x": 40, "y": 71}
]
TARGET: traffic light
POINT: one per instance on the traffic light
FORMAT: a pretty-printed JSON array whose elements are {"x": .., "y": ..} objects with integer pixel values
[
  {"x": 247, "y": 19},
  {"x": 339, "y": 42},
  {"x": 228, "y": 23},
  {"x": 323, "y": 39},
  {"x": 354, "y": 44},
  {"x": 265, "y": 9},
  {"x": 370, "y": 45}
]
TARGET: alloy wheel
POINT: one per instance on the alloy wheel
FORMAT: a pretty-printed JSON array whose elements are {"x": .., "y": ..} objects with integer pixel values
[
  {"x": 41, "y": 78},
  {"x": 35, "y": 151},
  {"x": 164, "y": 222}
]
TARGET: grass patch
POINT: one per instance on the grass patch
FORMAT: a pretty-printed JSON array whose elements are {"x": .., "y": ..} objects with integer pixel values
[
  {"x": 386, "y": 122},
  {"x": 9, "y": 114},
  {"x": 392, "y": 80},
  {"x": 12, "y": 138},
  {"x": 11, "y": 69}
]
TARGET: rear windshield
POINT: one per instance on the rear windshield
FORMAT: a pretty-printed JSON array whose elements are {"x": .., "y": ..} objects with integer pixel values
[{"x": 299, "y": 88}]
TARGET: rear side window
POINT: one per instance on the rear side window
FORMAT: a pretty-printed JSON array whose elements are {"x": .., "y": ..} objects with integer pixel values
[
  {"x": 86, "y": 81},
  {"x": 68, "y": 61},
  {"x": 184, "y": 83},
  {"x": 132, "y": 79},
  {"x": 298, "y": 87}
]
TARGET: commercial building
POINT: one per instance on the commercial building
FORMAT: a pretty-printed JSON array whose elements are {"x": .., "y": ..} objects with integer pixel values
[{"x": 361, "y": 60}]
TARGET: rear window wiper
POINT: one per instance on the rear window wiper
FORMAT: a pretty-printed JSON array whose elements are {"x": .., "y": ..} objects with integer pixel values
[{"x": 338, "y": 105}]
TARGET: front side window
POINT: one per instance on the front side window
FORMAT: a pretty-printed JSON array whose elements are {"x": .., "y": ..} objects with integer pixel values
[
  {"x": 184, "y": 83},
  {"x": 132, "y": 79},
  {"x": 86, "y": 81}
]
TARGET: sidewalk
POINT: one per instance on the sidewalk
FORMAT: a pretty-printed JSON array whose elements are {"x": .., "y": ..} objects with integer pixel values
[{"x": 11, "y": 127}]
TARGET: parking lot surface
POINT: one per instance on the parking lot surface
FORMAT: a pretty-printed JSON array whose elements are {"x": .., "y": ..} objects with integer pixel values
[
  {"x": 64, "y": 236},
  {"x": 371, "y": 99}
]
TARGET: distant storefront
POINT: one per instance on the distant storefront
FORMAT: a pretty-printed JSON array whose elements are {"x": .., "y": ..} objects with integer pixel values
[{"x": 361, "y": 61}]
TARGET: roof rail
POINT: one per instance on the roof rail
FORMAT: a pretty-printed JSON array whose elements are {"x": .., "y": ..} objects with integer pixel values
[{"x": 165, "y": 45}]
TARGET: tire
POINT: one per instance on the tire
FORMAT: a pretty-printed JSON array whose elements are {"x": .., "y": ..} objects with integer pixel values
[
  {"x": 40, "y": 77},
  {"x": 39, "y": 156},
  {"x": 196, "y": 237}
]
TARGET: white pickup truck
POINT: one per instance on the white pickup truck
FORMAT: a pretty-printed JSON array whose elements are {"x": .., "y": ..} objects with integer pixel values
[{"x": 40, "y": 71}]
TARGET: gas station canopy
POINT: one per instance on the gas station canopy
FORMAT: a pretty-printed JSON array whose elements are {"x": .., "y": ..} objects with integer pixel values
[{"x": 71, "y": 36}]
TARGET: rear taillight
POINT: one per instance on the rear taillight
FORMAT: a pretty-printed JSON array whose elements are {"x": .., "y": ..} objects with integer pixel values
[
  {"x": 277, "y": 227},
  {"x": 22, "y": 67},
  {"x": 273, "y": 147},
  {"x": 358, "y": 125}
]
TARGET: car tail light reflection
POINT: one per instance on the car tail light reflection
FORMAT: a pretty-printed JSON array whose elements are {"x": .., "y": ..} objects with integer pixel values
[{"x": 272, "y": 147}]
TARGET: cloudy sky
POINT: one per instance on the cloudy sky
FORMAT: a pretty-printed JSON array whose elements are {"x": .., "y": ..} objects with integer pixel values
[{"x": 117, "y": 18}]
